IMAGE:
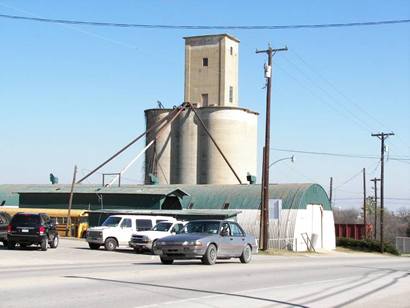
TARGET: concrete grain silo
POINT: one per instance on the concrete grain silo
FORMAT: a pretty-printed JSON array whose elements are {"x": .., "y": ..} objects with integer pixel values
[
  {"x": 184, "y": 149},
  {"x": 184, "y": 153},
  {"x": 158, "y": 155},
  {"x": 235, "y": 132}
]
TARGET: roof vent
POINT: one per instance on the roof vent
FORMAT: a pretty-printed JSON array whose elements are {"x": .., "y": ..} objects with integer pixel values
[{"x": 251, "y": 178}]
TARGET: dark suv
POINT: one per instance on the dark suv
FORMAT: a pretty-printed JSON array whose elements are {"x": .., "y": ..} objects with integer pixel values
[
  {"x": 32, "y": 229},
  {"x": 4, "y": 222}
]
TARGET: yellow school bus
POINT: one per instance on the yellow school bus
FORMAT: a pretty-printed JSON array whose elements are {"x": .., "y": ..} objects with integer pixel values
[{"x": 79, "y": 218}]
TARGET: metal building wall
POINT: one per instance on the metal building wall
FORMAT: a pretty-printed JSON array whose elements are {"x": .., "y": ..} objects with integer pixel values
[
  {"x": 184, "y": 137},
  {"x": 235, "y": 131},
  {"x": 158, "y": 156}
]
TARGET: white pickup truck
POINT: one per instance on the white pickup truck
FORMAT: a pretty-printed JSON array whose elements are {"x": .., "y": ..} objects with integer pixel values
[
  {"x": 145, "y": 240},
  {"x": 117, "y": 230}
]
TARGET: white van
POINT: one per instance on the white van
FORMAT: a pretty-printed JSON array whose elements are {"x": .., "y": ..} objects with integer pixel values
[{"x": 116, "y": 230}]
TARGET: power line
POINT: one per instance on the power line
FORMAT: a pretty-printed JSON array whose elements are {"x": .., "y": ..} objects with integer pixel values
[
  {"x": 338, "y": 91},
  {"x": 212, "y": 27},
  {"x": 398, "y": 158},
  {"x": 333, "y": 99}
]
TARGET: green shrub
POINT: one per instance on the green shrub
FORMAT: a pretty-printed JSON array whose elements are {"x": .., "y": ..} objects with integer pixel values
[{"x": 366, "y": 245}]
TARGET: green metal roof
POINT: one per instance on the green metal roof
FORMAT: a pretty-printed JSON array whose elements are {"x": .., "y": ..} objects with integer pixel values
[
  {"x": 9, "y": 195},
  {"x": 293, "y": 196},
  {"x": 98, "y": 189}
]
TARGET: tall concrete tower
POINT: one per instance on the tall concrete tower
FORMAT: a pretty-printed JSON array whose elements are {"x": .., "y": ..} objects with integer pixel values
[
  {"x": 211, "y": 70},
  {"x": 183, "y": 153}
]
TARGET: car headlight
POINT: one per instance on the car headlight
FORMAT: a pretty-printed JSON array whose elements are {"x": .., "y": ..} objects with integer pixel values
[{"x": 192, "y": 243}]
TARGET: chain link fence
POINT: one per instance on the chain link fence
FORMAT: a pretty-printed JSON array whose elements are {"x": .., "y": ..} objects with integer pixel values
[{"x": 403, "y": 244}]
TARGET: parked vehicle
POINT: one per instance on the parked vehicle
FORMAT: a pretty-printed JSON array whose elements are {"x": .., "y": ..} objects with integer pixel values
[
  {"x": 117, "y": 230},
  {"x": 207, "y": 240},
  {"x": 145, "y": 240},
  {"x": 28, "y": 229},
  {"x": 4, "y": 222}
]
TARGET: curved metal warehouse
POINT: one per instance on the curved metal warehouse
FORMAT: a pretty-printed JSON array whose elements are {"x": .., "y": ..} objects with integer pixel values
[{"x": 296, "y": 210}]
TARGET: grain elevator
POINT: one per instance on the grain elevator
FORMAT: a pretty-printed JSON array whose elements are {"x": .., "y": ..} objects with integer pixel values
[{"x": 183, "y": 152}]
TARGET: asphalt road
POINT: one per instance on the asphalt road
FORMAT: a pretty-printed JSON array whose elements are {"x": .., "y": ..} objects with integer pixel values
[{"x": 74, "y": 276}]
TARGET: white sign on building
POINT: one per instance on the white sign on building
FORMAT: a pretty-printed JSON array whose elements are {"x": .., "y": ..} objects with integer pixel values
[{"x": 275, "y": 207}]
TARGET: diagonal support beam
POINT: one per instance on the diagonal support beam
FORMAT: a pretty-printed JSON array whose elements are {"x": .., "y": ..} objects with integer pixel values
[{"x": 214, "y": 142}]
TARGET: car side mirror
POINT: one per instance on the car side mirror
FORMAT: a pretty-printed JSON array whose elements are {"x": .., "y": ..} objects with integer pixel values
[{"x": 173, "y": 233}]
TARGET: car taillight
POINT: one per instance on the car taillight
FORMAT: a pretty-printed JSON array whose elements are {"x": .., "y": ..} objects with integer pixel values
[
  {"x": 42, "y": 230},
  {"x": 9, "y": 229}
]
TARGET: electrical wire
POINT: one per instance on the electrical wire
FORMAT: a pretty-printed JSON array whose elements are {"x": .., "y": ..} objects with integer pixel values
[
  {"x": 396, "y": 158},
  {"x": 332, "y": 99},
  {"x": 204, "y": 27},
  {"x": 339, "y": 92},
  {"x": 329, "y": 103}
]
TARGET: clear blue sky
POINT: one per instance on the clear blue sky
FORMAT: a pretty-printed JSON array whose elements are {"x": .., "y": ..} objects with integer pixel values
[{"x": 75, "y": 94}]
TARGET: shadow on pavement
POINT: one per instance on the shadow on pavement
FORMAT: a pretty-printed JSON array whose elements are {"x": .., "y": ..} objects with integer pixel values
[
  {"x": 389, "y": 284},
  {"x": 364, "y": 280},
  {"x": 188, "y": 289}
]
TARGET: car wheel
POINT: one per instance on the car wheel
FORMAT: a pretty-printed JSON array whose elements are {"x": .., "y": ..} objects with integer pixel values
[
  {"x": 94, "y": 246},
  {"x": 11, "y": 245},
  {"x": 43, "y": 245},
  {"x": 110, "y": 244},
  {"x": 210, "y": 255},
  {"x": 165, "y": 260},
  {"x": 5, "y": 243},
  {"x": 55, "y": 241},
  {"x": 246, "y": 256}
]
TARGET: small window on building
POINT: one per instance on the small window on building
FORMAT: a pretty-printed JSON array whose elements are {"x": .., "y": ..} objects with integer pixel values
[
  {"x": 204, "y": 61},
  {"x": 190, "y": 206},
  {"x": 204, "y": 99},
  {"x": 231, "y": 50},
  {"x": 226, "y": 206},
  {"x": 230, "y": 94}
]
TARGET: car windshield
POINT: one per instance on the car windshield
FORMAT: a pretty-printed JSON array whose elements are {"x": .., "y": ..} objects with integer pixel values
[
  {"x": 211, "y": 227},
  {"x": 162, "y": 226},
  {"x": 111, "y": 221}
]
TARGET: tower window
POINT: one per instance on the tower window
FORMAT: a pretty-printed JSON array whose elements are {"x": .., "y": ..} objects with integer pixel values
[
  {"x": 204, "y": 61},
  {"x": 204, "y": 99},
  {"x": 230, "y": 94},
  {"x": 231, "y": 50}
]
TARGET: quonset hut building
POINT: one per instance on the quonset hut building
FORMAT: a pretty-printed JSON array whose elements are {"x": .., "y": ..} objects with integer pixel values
[{"x": 296, "y": 210}]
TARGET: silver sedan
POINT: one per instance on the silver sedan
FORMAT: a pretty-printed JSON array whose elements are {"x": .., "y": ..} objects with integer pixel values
[{"x": 207, "y": 240}]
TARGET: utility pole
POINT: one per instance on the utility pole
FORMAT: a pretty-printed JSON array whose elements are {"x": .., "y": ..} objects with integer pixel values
[
  {"x": 375, "y": 180},
  {"x": 70, "y": 203},
  {"x": 261, "y": 220},
  {"x": 382, "y": 137},
  {"x": 265, "y": 172},
  {"x": 331, "y": 191},
  {"x": 364, "y": 204}
]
